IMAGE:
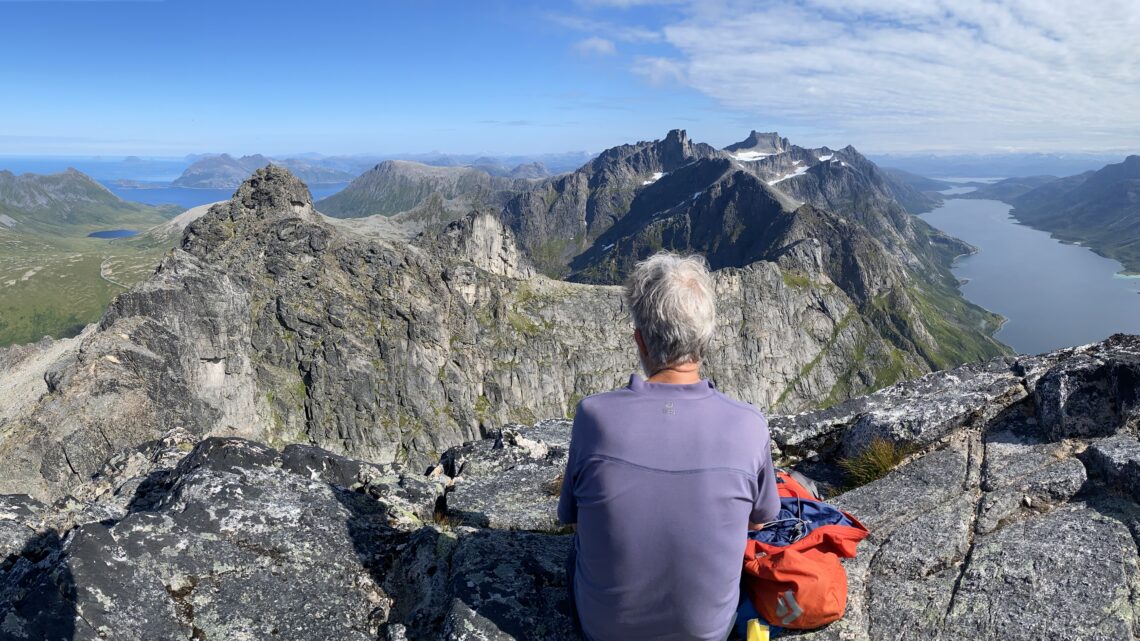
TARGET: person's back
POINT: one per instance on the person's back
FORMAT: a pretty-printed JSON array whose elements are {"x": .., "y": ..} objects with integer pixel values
[
  {"x": 663, "y": 482},
  {"x": 664, "y": 478}
]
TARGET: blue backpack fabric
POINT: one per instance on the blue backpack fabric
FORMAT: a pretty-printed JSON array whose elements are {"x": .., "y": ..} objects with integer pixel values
[{"x": 796, "y": 519}]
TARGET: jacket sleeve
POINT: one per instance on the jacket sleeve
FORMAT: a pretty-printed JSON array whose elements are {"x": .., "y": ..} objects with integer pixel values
[
  {"x": 767, "y": 505},
  {"x": 567, "y": 504}
]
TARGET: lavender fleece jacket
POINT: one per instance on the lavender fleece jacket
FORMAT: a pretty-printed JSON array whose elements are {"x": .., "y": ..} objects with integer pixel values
[{"x": 662, "y": 481}]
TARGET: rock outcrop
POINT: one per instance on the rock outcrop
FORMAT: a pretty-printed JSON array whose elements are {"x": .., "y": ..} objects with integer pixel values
[{"x": 1016, "y": 517}]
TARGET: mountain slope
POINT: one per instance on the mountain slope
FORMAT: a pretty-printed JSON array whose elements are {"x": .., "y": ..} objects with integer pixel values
[
  {"x": 1009, "y": 189},
  {"x": 918, "y": 194},
  {"x": 395, "y": 186},
  {"x": 54, "y": 279},
  {"x": 69, "y": 204},
  {"x": 921, "y": 183},
  {"x": 1100, "y": 209}
]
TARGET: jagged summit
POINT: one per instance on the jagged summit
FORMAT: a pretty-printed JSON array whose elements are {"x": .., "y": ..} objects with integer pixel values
[
  {"x": 665, "y": 155},
  {"x": 274, "y": 191},
  {"x": 271, "y": 194}
]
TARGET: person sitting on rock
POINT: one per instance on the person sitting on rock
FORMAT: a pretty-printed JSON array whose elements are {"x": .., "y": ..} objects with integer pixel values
[{"x": 665, "y": 476}]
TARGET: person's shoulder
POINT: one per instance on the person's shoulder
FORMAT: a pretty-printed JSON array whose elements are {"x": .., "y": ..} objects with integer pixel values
[
  {"x": 747, "y": 411},
  {"x": 602, "y": 399},
  {"x": 740, "y": 405},
  {"x": 595, "y": 402}
]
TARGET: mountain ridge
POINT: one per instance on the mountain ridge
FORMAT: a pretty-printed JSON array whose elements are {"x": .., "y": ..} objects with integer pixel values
[
  {"x": 69, "y": 200},
  {"x": 269, "y": 323},
  {"x": 396, "y": 186}
]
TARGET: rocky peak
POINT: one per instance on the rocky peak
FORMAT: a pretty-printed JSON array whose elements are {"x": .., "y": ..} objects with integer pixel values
[
  {"x": 273, "y": 192},
  {"x": 481, "y": 239},
  {"x": 270, "y": 195},
  {"x": 531, "y": 170},
  {"x": 769, "y": 142},
  {"x": 675, "y": 148}
]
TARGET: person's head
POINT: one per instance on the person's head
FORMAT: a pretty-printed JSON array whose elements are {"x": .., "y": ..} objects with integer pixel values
[{"x": 673, "y": 306}]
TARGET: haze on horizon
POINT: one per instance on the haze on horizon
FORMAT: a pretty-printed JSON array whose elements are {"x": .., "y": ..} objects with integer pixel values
[{"x": 171, "y": 77}]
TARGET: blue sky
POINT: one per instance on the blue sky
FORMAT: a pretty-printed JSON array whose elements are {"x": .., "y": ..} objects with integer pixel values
[{"x": 359, "y": 76}]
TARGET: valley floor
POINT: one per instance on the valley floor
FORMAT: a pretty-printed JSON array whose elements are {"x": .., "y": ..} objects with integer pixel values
[{"x": 53, "y": 286}]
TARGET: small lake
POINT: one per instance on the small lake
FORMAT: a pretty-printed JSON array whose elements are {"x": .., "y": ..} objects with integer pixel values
[
  {"x": 1053, "y": 294},
  {"x": 186, "y": 197},
  {"x": 113, "y": 233}
]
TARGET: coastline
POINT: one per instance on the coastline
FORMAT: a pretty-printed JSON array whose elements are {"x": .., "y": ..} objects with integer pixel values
[
  {"x": 1124, "y": 272},
  {"x": 1008, "y": 298}
]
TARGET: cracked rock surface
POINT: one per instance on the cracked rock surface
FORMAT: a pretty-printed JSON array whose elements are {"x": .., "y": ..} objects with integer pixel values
[{"x": 1015, "y": 517}]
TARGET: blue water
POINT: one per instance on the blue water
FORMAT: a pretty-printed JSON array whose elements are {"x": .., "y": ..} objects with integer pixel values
[
  {"x": 1053, "y": 294},
  {"x": 957, "y": 190},
  {"x": 99, "y": 167},
  {"x": 113, "y": 233},
  {"x": 186, "y": 197},
  {"x": 157, "y": 172}
]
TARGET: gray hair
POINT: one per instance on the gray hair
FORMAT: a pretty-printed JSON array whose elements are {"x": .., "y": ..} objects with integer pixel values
[{"x": 673, "y": 304}]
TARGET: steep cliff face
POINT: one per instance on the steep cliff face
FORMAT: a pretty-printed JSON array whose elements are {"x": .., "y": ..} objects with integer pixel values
[
  {"x": 737, "y": 205},
  {"x": 1016, "y": 516},
  {"x": 269, "y": 323}
]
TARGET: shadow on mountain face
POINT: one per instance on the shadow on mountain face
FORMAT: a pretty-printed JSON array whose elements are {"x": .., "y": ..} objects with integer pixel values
[{"x": 37, "y": 593}]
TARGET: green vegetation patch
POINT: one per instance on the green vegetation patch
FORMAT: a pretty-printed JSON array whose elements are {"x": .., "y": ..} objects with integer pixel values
[
  {"x": 879, "y": 457},
  {"x": 797, "y": 280},
  {"x": 839, "y": 327},
  {"x": 54, "y": 286}
]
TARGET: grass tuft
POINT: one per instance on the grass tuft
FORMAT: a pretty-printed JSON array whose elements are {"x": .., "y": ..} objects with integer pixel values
[{"x": 874, "y": 462}]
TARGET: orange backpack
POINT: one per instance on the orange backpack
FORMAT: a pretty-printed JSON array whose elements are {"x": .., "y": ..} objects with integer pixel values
[{"x": 802, "y": 585}]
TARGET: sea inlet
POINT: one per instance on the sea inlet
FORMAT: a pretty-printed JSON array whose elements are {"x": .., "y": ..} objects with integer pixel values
[{"x": 1052, "y": 294}]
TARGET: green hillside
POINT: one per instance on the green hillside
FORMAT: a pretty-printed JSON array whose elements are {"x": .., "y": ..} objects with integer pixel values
[{"x": 54, "y": 279}]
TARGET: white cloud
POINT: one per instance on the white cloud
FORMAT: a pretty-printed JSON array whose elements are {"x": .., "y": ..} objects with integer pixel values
[
  {"x": 910, "y": 74},
  {"x": 626, "y": 4},
  {"x": 595, "y": 46},
  {"x": 659, "y": 71},
  {"x": 611, "y": 30}
]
